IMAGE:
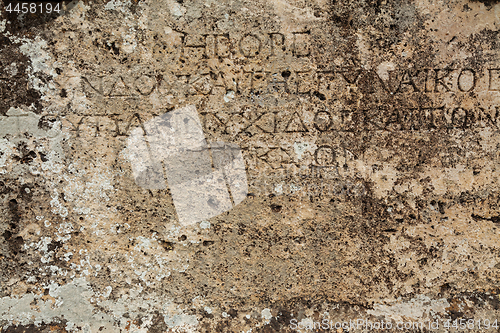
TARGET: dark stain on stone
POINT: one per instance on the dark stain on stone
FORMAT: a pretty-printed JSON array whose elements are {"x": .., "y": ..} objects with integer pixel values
[
  {"x": 15, "y": 245},
  {"x": 168, "y": 246},
  {"x": 494, "y": 219},
  {"x": 26, "y": 192},
  {"x": 53, "y": 246},
  {"x": 43, "y": 157},
  {"x": 14, "y": 86},
  {"x": 24, "y": 156},
  {"x": 14, "y": 211},
  {"x": 281, "y": 321},
  {"x": 47, "y": 122},
  {"x": 7, "y": 235},
  {"x": 33, "y": 329},
  {"x": 441, "y": 207},
  {"x": 319, "y": 95},
  {"x": 488, "y": 3},
  {"x": 276, "y": 208}
]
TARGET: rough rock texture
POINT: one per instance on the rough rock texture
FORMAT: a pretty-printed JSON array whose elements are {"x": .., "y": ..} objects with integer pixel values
[{"x": 370, "y": 133}]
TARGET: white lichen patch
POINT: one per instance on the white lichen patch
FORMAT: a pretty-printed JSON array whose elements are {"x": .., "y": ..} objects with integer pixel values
[
  {"x": 266, "y": 314},
  {"x": 418, "y": 308},
  {"x": 122, "y": 6},
  {"x": 36, "y": 51},
  {"x": 301, "y": 148}
]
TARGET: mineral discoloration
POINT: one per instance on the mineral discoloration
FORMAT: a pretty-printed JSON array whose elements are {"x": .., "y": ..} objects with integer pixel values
[{"x": 369, "y": 131}]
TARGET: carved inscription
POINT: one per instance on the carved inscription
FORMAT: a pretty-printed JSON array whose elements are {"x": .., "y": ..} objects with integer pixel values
[
  {"x": 247, "y": 45},
  {"x": 315, "y": 83},
  {"x": 268, "y": 89},
  {"x": 376, "y": 118},
  {"x": 280, "y": 121}
]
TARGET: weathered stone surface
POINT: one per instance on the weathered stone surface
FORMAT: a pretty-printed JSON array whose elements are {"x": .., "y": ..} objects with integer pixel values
[{"x": 369, "y": 132}]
